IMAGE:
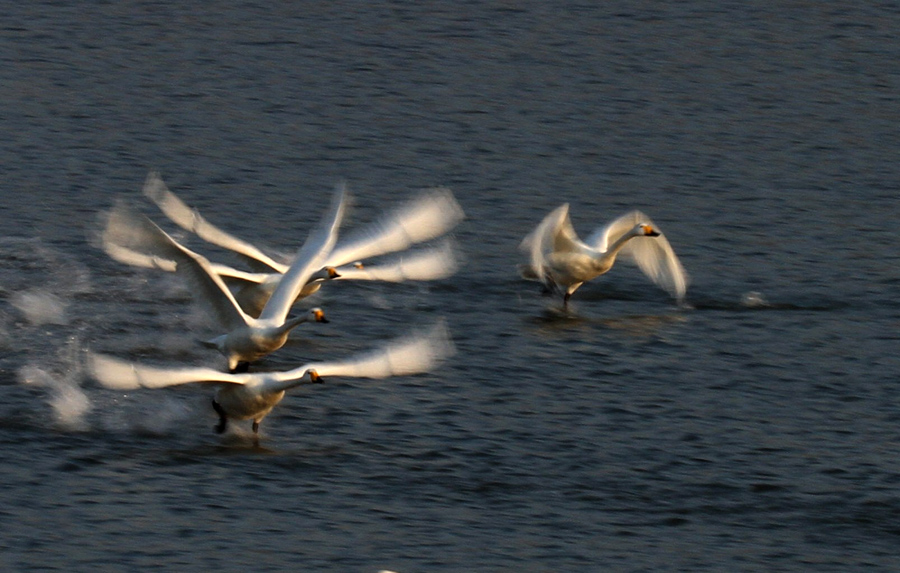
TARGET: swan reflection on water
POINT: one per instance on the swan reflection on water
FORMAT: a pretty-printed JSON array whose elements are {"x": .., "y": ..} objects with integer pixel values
[{"x": 641, "y": 326}]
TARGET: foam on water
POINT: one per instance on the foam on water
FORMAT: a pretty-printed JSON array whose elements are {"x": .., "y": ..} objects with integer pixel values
[
  {"x": 754, "y": 299},
  {"x": 40, "y": 307},
  {"x": 145, "y": 413},
  {"x": 62, "y": 381}
]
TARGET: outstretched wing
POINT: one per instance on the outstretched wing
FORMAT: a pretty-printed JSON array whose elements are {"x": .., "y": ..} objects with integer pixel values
[
  {"x": 137, "y": 233},
  {"x": 123, "y": 375},
  {"x": 136, "y": 258},
  {"x": 428, "y": 216},
  {"x": 230, "y": 275},
  {"x": 191, "y": 220},
  {"x": 416, "y": 353},
  {"x": 310, "y": 258},
  {"x": 425, "y": 265},
  {"x": 653, "y": 255}
]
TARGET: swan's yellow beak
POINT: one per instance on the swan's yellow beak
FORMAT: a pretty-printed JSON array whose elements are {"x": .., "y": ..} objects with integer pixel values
[
  {"x": 332, "y": 272},
  {"x": 319, "y": 315},
  {"x": 315, "y": 378},
  {"x": 359, "y": 265}
]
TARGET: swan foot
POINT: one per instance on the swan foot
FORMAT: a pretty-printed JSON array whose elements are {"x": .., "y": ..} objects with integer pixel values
[
  {"x": 255, "y": 427},
  {"x": 550, "y": 287},
  {"x": 223, "y": 418}
]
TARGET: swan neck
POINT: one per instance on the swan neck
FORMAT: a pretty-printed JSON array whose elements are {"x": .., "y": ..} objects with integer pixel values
[
  {"x": 292, "y": 323},
  {"x": 617, "y": 245}
]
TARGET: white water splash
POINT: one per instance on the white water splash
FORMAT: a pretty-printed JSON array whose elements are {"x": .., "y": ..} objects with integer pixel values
[
  {"x": 69, "y": 402},
  {"x": 62, "y": 379},
  {"x": 40, "y": 307},
  {"x": 754, "y": 299}
]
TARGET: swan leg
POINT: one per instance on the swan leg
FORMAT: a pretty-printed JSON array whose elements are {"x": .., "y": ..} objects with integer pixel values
[
  {"x": 550, "y": 287},
  {"x": 255, "y": 427},
  {"x": 223, "y": 418}
]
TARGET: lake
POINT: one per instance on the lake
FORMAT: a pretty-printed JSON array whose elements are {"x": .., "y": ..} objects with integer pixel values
[{"x": 757, "y": 428}]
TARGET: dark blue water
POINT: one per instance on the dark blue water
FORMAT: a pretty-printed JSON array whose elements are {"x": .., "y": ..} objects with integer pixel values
[{"x": 758, "y": 430}]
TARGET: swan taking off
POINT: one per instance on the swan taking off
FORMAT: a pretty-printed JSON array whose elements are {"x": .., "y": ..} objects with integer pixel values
[
  {"x": 248, "y": 338},
  {"x": 563, "y": 262},
  {"x": 245, "y": 396}
]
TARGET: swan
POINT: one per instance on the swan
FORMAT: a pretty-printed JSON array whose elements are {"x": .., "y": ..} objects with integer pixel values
[
  {"x": 563, "y": 262},
  {"x": 424, "y": 218},
  {"x": 248, "y": 338},
  {"x": 242, "y": 396}
]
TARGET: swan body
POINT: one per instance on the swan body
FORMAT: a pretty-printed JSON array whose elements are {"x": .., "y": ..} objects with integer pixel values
[
  {"x": 243, "y": 396},
  {"x": 248, "y": 338},
  {"x": 563, "y": 262}
]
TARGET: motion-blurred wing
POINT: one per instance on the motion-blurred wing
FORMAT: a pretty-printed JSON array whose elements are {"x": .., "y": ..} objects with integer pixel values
[
  {"x": 553, "y": 234},
  {"x": 653, "y": 255},
  {"x": 414, "y": 354},
  {"x": 134, "y": 258},
  {"x": 137, "y": 233},
  {"x": 426, "y": 265},
  {"x": 658, "y": 261},
  {"x": 122, "y": 375},
  {"x": 191, "y": 220},
  {"x": 137, "y": 259},
  {"x": 426, "y": 217},
  {"x": 310, "y": 258}
]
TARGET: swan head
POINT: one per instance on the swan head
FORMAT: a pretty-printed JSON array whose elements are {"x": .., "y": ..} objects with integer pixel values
[
  {"x": 324, "y": 274},
  {"x": 318, "y": 315},
  {"x": 359, "y": 265},
  {"x": 645, "y": 230}
]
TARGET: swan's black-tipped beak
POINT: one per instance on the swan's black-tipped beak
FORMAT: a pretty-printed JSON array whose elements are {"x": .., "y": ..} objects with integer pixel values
[
  {"x": 649, "y": 231},
  {"x": 319, "y": 315},
  {"x": 315, "y": 378},
  {"x": 332, "y": 272}
]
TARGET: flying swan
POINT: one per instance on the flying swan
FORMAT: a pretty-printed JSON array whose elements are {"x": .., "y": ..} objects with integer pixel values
[
  {"x": 563, "y": 262},
  {"x": 242, "y": 396}
]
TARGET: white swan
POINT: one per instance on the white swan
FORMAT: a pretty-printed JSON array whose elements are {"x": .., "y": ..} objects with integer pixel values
[
  {"x": 244, "y": 396},
  {"x": 248, "y": 338},
  {"x": 559, "y": 259}
]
